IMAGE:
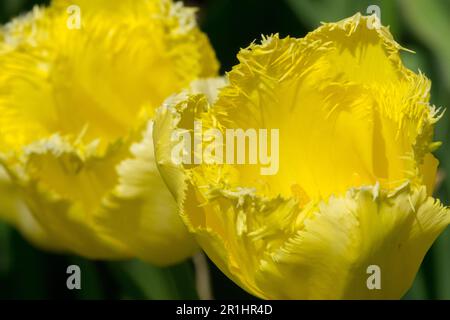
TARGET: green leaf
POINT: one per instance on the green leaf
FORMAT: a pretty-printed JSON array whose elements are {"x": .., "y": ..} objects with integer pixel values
[
  {"x": 430, "y": 22},
  {"x": 418, "y": 290},
  {"x": 442, "y": 265}
]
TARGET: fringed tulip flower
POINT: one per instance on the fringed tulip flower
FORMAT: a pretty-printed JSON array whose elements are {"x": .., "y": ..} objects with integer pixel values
[
  {"x": 347, "y": 213},
  {"x": 78, "y": 85}
]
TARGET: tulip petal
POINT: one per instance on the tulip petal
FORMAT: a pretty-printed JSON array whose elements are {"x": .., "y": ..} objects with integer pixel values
[
  {"x": 63, "y": 208},
  {"x": 329, "y": 258},
  {"x": 15, "y": 211},
  {"x": 142, "y": 213}
]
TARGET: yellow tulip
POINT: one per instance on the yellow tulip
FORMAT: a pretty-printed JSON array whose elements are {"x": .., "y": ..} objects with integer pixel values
[
  {"x": 79, "y": 82},
  {"x": 348, "y": 213}
]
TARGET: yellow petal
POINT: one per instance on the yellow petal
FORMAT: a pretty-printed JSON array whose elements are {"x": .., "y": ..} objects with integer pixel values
[
  {"x": 331, "y": 255},
  {"x": 142, "y": 213},
  {"x": 323, "y": 251},
  {"x": 63, "y": 187},
  {"x": 14, "y": 211}
]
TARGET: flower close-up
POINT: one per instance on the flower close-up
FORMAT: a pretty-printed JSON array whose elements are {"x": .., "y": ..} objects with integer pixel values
[
  {"x": 234, "y": 152},
  {"x": 341, "y": 188},
  {"x": 79, "y": 83}
]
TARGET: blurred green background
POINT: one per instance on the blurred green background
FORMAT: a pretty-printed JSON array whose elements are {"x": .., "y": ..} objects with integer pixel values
[{"x": 420, "y": 25}]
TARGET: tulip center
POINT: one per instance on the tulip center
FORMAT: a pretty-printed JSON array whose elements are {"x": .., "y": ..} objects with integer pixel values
[{"x": 349, "y": 118}]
